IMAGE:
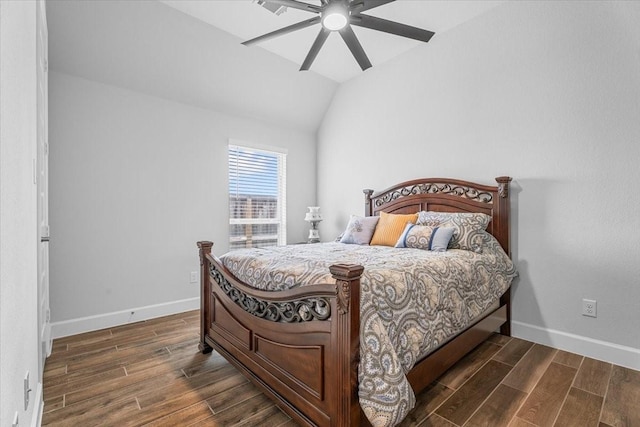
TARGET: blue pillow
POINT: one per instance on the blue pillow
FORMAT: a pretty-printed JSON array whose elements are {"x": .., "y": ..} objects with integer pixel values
[{"x": 425, "y": 237}]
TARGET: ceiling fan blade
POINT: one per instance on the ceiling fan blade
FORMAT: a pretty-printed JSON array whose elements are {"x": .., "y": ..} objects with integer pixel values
[
  {"x": 355, "y": 47},
  {"x": 315, "y": 48},
  {"x": 296, "y": 5},
  {"x": 391, "y": 27},
  {"x": 281, "y": 31},
  {"x": 358, "y": 6}
]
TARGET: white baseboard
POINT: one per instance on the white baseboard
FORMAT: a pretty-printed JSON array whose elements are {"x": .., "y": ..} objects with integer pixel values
[
  {"x": 595, "y": 349},
  {"x": 108, "y": 320},
  {"x": 36, "y": 418}
]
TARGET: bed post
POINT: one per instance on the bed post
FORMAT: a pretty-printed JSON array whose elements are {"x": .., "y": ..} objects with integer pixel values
[
  {"x": 368, "y": 206},
  {"x": 346, "y": 333},
  {"x": 205, "y": 294},
  {"x": 504, "y": 230}
]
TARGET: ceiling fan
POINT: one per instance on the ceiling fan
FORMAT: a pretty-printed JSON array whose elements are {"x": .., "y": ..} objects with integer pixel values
[{"x": 340, "y": 15}]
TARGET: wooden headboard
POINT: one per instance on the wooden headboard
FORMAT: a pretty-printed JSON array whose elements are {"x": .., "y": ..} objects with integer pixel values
[{"x": 448, "y": 195}]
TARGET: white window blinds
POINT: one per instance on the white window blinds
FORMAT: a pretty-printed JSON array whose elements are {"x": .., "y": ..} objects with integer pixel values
[{"x": 257, "y": 197}]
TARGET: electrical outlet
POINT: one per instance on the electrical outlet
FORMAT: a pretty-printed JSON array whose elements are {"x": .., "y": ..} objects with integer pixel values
[
  {"x": 194, "y": 277},
  {"x": 589, "y": 308}
]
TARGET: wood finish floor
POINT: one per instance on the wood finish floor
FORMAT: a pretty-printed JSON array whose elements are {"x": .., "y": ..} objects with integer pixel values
[{"x": 151, "y": 373}]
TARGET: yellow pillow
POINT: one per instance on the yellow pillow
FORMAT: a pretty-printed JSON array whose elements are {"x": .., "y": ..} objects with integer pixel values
[{"x": 390, "y": 227}]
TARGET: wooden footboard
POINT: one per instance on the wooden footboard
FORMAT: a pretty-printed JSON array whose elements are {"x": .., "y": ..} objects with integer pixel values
[{"x": 300, "y": 346}]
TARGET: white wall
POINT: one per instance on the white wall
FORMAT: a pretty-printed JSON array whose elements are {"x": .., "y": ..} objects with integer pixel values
[
  {"x": 135, "y": 181},
  {"x": 548, "y": 93},
  {"x": 18, "y": 263},
  {"x": 151, "y": 48}
]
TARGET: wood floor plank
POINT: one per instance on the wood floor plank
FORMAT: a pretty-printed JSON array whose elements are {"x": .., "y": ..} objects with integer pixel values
[
  {"x": 436, "y": 421},
  {"x": 58, "y": 347},
  {"x": 173, "y": 337},
  {"x": 179, "y": 359},
  {"x": 59, "y": 359},
  {"x": 499, "y": 339},
  {"x": 189, "y": 343},
  {"x": 546, "y": 399},
  {"x": 499, "y": 408},
  {"x": 461, "y": 404},
  {"x": 51, "y": 373},
  {"x": 468, "y": 365},
  {"x": 530, "y": 368},
  {"x": 146, "y": 348},
  {"x": 118, "y": 358},
  {"x": 621, "y": 406},
  {"x": 105, "y": 344},
  {"x": 289, "y": 423},
  {"x": 146, "y": 328},
  {"x": 426, "y": 402},
  {"x": 519, "y": 422},
  {"x": 53, "y": 403},
  {"x": 271, "y": 416},
  {"x": 84, "y": 337},
  {"x": 168, "y": 402},
  {"x": 61, "y": 385},
  {"x": 120, "y": 340},
  {"x": 581, "y": 409},
  {"x": 593, "y": 376},
  {"x": 196, "y": 365},
  {"x": 245, "y": 409},
  {"x": 513, "y": 351},
  {"x": 101, "y": 415},
  {"x": 113, "y": 390},
  {"x": 201, "y": 384},
  {"x": 569, "y": 359},
  {"x": 193, "y": 414},
  {"x": 232, "y": 397}
]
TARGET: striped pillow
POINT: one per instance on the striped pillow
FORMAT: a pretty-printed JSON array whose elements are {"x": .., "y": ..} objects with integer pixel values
[
  {"x": 424, "y": 237},
  {"x": 390, "y": 227}
]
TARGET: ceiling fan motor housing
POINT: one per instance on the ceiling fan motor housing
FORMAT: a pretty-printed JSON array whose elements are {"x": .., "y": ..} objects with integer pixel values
[{"x": 335, "y": 16}]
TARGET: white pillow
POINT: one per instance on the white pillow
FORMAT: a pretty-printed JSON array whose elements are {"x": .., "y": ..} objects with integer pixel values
[{"x": 359, "y": 230}]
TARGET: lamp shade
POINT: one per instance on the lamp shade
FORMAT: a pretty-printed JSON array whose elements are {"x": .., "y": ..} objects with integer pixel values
[{"x": 313, "y": 214}]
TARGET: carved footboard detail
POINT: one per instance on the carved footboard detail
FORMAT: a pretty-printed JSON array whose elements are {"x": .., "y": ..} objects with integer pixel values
[{"x": 300, "y": 346}]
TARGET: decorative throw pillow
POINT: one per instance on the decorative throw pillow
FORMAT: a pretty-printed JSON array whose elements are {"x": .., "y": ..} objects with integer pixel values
[
  {"x": 390, "y": 227},
  {"x": 359, "y": 230},
  {"x": 425, "y": 237},
  {"x": 468, "y": 227}
]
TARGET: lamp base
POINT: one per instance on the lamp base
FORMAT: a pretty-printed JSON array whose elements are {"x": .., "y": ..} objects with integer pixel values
[{"x": 314, "y": 236}]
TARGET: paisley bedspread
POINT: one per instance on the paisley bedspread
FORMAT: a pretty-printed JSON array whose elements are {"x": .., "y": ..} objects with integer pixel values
[{"x": 411, "y": 302}]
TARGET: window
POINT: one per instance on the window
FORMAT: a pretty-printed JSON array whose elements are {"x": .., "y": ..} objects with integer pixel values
[{"x": 257, "y": 197}]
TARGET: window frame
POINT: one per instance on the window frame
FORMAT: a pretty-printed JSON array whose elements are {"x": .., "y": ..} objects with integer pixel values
[{"x": 281, "y": 210}]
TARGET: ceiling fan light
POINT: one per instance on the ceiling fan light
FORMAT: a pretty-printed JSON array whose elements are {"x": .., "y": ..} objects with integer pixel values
[{"x": 335, "y": 17}]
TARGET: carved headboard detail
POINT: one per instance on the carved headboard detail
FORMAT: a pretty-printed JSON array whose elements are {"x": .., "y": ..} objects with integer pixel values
[{"x": 448, "y": 195}]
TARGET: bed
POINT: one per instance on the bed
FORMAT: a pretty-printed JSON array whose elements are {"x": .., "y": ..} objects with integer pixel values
[{"x": 302, "y": 345}]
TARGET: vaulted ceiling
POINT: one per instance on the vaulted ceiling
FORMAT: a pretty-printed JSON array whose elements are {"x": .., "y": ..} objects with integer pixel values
[
  {"x": 191, "y": 52},
  {"x": 246, "y": 19}
]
